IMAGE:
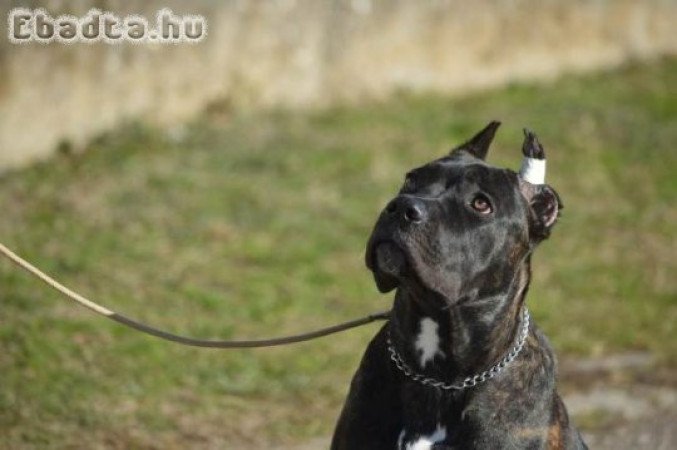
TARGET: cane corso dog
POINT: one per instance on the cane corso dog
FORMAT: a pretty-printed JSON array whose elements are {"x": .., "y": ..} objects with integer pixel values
[{"x": 459, "y": 364}]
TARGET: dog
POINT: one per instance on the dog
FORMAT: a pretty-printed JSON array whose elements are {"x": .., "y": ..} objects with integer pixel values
[{"x": 459, "y": 364}]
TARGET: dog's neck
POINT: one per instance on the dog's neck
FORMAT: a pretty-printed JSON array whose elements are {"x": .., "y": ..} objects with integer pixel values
[{"x": 451, "y": 340}]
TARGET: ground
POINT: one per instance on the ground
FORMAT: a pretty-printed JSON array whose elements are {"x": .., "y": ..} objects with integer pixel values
[{"x": 254, "y": 225}]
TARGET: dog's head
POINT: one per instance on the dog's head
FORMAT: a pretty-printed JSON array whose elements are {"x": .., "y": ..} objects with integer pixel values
[{"x": 460, "y": 227}]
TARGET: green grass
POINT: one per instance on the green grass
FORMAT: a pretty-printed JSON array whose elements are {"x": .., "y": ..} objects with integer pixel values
[{"x": 254, "y": 226}]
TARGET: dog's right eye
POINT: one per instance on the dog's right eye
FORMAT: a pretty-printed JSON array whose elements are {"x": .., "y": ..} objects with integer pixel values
[{"x": 409, "y": 183}]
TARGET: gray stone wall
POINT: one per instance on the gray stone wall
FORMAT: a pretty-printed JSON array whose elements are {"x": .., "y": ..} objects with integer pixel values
[{"x": 305, "y": 53}]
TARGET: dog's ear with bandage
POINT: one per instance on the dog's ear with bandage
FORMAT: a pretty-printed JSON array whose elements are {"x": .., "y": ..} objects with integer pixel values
[{"x": 544, "y": 202}]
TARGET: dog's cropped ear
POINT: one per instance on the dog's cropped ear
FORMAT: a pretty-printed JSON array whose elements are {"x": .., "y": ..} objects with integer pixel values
[
  {"x": 545, "y": 206},
  {"x": 478, "y": 145},
  {"x": 543, "y": 200}
]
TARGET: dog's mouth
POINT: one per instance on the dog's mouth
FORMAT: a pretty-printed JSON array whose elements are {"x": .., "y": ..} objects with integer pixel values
[
  {"x": 388, "y": 262},
  {"x": 390, "y": 259}
]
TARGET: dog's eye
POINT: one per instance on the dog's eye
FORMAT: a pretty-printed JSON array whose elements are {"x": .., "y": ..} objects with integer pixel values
[
  {"x": 409, "y": 183},
  {"x": 481, "y": 204}
]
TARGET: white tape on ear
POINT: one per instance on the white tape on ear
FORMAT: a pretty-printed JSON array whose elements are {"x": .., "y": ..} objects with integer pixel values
[{"x": 533, "y": 170}]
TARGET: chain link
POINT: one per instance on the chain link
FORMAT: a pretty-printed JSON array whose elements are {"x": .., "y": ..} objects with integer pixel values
[{"x": 469, "y": 381}]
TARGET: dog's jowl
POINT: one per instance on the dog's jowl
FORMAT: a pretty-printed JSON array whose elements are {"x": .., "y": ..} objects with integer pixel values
[{"x": 460, "y": 365}]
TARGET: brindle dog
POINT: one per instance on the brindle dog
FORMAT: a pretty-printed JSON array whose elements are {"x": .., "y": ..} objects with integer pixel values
[{"x": 456, "y": 244}]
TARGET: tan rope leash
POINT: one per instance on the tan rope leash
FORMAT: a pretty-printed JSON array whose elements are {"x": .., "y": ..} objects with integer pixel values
[{"x": 16, "y": 259}]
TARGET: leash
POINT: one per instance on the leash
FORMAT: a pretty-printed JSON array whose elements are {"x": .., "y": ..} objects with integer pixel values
[{"x": 139, "y": 326}]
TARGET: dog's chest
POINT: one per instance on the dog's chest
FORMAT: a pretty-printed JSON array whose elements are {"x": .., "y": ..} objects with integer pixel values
[
  {"x": 411, "y": 440},
  {"x": 427, "y": 342},
  {"x": 430, "y": 414},
  {"x": 431, "y": 418}
]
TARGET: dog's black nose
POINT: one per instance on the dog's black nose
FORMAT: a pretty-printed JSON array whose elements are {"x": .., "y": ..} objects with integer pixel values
[{"x": 408, "y": 208}]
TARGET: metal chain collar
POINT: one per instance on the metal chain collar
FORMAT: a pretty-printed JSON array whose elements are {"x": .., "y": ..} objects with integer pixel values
[{"x": 469, "y": 381}]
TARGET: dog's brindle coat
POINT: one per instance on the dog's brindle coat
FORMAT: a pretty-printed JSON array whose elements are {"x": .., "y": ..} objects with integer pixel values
[{"x": 456, "y": 243}]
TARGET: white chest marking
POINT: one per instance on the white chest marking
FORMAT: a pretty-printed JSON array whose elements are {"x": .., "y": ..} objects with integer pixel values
[
  {"x": 400, "y": 439},
  {"x": 424, "y": 442},
  {"x": 428, "y": 341}
]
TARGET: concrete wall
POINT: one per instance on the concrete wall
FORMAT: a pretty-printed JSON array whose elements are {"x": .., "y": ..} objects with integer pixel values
[{"x": 305, "y": 53}]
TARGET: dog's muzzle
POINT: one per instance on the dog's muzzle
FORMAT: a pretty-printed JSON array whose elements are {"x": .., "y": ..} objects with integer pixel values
[
  {"x": 389, "y": 259},
  {"x": 388, "y": 263},
  {"x": 407, "y": 209},
  {"x": 387, "y": 251}
]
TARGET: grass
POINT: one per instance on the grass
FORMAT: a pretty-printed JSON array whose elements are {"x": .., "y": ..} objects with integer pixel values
[{"x": 255, "y": 225}]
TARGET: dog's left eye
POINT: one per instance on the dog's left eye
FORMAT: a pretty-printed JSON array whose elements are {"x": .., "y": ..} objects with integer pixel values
[{"x": 481, "y": 204}]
